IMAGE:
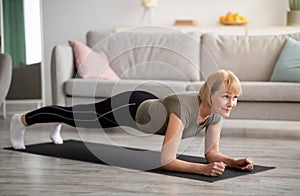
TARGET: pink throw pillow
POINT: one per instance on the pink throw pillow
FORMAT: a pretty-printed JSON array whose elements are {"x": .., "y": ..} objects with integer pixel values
[{"x": 90, "y": 64}]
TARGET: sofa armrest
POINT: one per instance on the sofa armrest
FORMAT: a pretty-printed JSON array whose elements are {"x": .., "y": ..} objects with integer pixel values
[
  {"x": 62, "y": 69},
  {"x": 5, "y": 75}
]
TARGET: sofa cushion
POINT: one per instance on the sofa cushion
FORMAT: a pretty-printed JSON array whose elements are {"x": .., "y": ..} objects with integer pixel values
[
  {"x": 270, "y": 91},
  {"x": 90, "y": 64},
  {"x": 251, "y": 58},
  {"x": 264, "y": 91},
  {"x": 287, "y": 68},
  {"x": 104, "y": 88},
  {"x": 155, "y": 55}
]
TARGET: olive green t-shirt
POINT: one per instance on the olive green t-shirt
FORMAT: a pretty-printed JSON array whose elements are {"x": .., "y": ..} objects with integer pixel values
[{"x": 153, "y": 115}]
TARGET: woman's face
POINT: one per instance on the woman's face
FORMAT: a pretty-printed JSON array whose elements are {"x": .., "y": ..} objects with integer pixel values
[{"x": 223, "y": 102}]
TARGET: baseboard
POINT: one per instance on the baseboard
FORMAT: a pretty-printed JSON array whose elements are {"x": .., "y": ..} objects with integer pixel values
[{"x": 10, "y": 107}]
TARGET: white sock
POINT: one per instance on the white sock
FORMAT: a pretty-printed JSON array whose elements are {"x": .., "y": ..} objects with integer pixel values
[
  {"x": 55, "y": 134},
  {"x": 17, "y": 130}
]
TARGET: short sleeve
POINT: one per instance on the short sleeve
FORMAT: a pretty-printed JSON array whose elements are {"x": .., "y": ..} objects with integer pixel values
[
  {"x": 174, "y": 105},
  {"x": 216, "y": 118}
]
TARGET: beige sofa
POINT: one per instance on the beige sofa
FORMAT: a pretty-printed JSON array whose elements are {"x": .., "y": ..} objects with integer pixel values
[
  {"x": 165, "y": 62},
  {"x": 252, "y": 59}
]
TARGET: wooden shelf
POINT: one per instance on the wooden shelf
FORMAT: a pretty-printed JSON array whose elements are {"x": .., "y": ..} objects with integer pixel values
[{"x": 227, "y": 30}]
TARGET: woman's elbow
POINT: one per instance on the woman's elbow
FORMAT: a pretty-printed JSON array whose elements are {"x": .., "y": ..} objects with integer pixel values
[
  {"x": 168, "y": 166},
  {"x": 209, "y": 156},
  {"x": 166, "y": 163}
]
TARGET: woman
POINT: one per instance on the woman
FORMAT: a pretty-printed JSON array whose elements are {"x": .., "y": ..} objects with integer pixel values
[{"x": 175, "y": 116}]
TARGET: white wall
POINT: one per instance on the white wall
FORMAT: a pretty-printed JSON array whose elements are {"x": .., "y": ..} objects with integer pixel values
[
  {"x": 65, "y": 20},
  {"x": 32, "y": 31}
]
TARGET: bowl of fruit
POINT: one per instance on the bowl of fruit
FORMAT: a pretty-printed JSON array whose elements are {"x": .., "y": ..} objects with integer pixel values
[{"x": 233, "y": 19}]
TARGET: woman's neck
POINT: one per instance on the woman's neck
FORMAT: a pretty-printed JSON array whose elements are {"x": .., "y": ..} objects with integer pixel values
[{"x": 204, "y": 113}]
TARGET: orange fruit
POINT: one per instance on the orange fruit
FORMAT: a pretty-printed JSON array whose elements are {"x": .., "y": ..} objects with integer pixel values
[
  {"x": 222, "y": 18},
  {"x": 230, "y": 18}
]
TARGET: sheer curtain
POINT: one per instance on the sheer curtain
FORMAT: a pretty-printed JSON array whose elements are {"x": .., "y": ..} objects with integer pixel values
[{"x": 14, "y": 30}]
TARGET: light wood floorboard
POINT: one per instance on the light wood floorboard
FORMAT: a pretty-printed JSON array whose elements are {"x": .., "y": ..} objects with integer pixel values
[{"x": 269, "y": 143}]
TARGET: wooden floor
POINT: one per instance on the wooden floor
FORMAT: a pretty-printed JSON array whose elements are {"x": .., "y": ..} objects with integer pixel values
[{"x": 269, "y": 143}]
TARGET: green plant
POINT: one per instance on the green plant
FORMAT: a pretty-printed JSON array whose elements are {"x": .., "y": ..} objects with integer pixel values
[{"x": 294, "y": 4}]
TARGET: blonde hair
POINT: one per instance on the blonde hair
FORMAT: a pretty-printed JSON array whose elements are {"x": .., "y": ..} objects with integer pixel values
[{"x": 213, "y": 84}]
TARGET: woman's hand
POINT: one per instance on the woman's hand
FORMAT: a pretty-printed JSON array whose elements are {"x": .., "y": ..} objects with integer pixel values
[
  {"x": 243, "y": 164},
  {"x": 213, "y": 169}
]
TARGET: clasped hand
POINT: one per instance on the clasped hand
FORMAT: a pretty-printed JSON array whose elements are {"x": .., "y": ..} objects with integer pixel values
[
  {"x": 244, "y": 164},
  {"x": 218, "y": 168}
]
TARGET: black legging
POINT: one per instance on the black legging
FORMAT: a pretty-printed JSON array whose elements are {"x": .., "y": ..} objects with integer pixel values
[{"x": 118, "y": 110}]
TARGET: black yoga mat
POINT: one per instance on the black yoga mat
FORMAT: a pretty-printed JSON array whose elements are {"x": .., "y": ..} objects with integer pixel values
[{"x": 131, "y": 158}]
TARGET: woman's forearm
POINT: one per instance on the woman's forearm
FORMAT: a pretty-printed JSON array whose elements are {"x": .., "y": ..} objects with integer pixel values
[
  {"x": 183, "y": 166},
  {"x": 219, "y": 157},
  {"x": 211, "y": 169},
  {"x": 242, "y": 164}
]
